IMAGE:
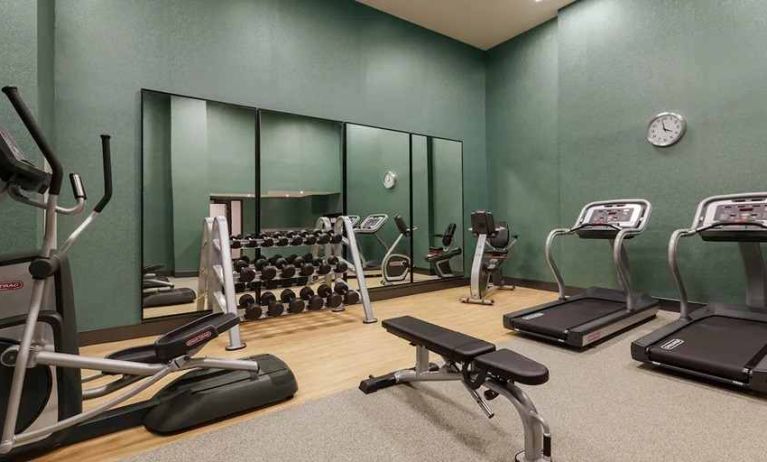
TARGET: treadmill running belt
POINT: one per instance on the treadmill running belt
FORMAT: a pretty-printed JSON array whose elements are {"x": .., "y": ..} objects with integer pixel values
[
  {"x": 715, "y": 345},
  {"x": 555, "y": 320}
]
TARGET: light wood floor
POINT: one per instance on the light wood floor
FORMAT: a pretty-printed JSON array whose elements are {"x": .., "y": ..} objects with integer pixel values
[{"x": 328, "y": 352}]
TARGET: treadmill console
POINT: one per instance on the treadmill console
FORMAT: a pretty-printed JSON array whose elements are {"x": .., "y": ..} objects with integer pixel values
[
  {"x": 355, "y": 219},
  {"x": 734, "y": 219},
  {"x": 372, "y": 223},
  {"x": 600, "y": 220},
  {"x": 482, "y": 222}
]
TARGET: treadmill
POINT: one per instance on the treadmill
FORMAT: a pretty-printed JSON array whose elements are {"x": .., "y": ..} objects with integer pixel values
[
  {"x": 725, "y": 343},
  {"x": 596, "y": 313}
]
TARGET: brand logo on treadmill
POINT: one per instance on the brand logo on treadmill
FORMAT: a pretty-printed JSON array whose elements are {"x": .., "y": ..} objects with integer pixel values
[
  {"x": 7, "y": 286},
  {"x": 533, "y": 316},
  {"x": 671, "y": 344},
  {"x": 199, "y": 338}
]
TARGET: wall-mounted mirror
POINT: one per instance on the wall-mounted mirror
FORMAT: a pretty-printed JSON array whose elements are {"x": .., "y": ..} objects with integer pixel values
[
  {"x": 437, "y": 208},
  {"x": 198, "y": 160},
  {"x": 378, "y": 190}
]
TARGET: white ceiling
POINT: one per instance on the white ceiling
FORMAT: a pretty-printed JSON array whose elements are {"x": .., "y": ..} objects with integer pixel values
[{"x": 480, "y": 23}]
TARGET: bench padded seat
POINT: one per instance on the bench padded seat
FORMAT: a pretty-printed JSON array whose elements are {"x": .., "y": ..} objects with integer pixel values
[
  {"x": 509, "y": 365},
  {"x": 448, "y": 343}
]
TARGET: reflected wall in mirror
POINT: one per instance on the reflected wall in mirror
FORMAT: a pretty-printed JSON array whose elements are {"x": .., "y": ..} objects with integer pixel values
[
  {"x": 378, "y": 188},
  {"x": 437, "y": 208},
  {"x": 198, "y": 158},
  {"x": 300, "y": 175}
]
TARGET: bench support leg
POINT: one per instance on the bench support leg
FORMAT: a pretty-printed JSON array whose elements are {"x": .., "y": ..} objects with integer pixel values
[{"x": 537, "y": 432}]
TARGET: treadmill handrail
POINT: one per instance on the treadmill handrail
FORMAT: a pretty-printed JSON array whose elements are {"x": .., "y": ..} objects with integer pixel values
[
  {"x": 673, "y": 263},
  {"x": 550, "y": 258},
  {"x": 619, "y": 257}
]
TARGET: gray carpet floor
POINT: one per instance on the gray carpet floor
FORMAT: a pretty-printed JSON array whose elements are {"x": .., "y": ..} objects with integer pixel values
[{"x": 601, "y": 405}]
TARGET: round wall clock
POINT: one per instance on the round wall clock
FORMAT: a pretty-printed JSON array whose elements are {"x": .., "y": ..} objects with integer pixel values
[
  {"x": 665, "y": 129},
  {"x": 390, "y": 179}
]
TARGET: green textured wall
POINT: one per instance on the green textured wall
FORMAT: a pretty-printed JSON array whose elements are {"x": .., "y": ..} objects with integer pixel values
[
  {"x": 192, "y": 149},
  {"x": 615, "y": 64},
  {"x": 523, "y": 159},
  {"x": 370, "y": 153},
  {"x": 335, "y": 59},
  {"x": 23, "y": 58},
  {"x": 190, "y": 175},
  {"x": 299, "y": 154},
  {"x": 157, "y": 190}
]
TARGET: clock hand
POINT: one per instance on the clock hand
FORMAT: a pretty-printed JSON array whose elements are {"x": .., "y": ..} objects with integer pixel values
[{"x": 663, "y": 124}]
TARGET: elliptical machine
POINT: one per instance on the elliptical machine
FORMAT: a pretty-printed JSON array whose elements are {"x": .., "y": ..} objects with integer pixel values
[
  {"x": 41, "y": 392},
  {"x": 396, "y": 266},
  {"x": 494, "y": 243}
]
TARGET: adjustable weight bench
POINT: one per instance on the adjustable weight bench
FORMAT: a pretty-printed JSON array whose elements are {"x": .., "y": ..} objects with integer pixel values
[{"x": 476, "y": 363}]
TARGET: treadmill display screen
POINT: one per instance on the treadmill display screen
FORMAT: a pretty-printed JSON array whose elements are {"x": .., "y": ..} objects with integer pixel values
[
  {"x": 741, "y": 213},
  {"x": 621, "y": 215}
]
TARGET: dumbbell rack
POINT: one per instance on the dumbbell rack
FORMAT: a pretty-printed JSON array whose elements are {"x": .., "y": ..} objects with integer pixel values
[
  {"x": 344, "y": 225},
  {"x": 215, "y": 284},
  {"x": 336, "y": 238}
]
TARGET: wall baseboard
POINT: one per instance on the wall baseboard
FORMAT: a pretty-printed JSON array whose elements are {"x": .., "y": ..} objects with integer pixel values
[
  {"x": 666, "y": 304},
  {"x": 163, "y": 325}
]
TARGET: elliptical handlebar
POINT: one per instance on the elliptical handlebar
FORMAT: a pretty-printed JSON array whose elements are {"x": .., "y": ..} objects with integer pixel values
[
  {"x": 37, "y": 134},
  {"x": 106, "y": 154}
]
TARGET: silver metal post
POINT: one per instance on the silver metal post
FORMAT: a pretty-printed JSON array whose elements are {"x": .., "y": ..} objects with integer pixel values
[
  {"x": 25, "y": 347},
  {"x": 684, "y": 308},
  {"x": 359, "y": 271},
  {"x": 549, "y": 253}
]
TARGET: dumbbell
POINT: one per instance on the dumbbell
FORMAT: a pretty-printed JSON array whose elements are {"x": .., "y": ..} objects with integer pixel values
[
  {"x": 332, "y": 299},
  {"x": 281, "y": 240},
  {"x": 252, "y": 310},
  {"x": 235, "y": 243},
  {"x": 323, "y": 239},
  {"x": 310, "y": 239},
  {"x": 336, "y": 238},
  {"x": 350, "y": 296},
  {"x": 273, "y": 259},
  {"x": 296, "y": 240},
  {"x": 341, "y": 267},
  {"x": 313, "y": 301},
  {"x": 323, "y": 267},
  {"x": 251, "y": 243},
  {"x": 302, "y": 267},
  {"x": 266, "y": 240},
  {"x": 239, "y": 264},
  {"x": 291, "y": 258},
  {"x": 247, "y": 274},
  {"x": 287, "y": 270},
  {"x": 240, "y": 287},
  {"x": 273, "y": 307},
  {"x": 295, "y": 304}
]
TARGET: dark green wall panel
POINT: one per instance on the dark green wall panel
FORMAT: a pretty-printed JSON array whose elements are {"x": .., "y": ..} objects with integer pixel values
[
  {"x": 522, "y": 144},
  {"x": 589, "y": 82}
]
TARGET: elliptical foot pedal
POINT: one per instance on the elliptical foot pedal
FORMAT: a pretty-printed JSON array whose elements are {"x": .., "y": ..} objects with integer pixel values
[{"x": 204, "y": 396}]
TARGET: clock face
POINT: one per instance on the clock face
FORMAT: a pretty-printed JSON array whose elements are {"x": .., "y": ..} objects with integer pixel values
[
  {"x": 389, "y": 179},
  {"x": 666, "y": 129}
]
